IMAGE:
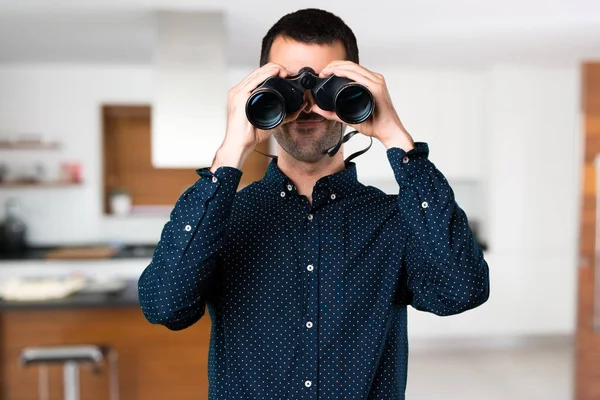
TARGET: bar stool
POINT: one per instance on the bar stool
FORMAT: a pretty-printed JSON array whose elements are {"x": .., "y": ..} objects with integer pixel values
[{"x": 70, "y": 357}]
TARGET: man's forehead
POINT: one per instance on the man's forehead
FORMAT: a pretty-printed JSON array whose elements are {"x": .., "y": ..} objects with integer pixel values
[{"x": 294, "y": 55}]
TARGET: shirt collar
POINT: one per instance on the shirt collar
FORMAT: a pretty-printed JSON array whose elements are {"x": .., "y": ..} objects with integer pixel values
[{"x": 341, "y": 183}]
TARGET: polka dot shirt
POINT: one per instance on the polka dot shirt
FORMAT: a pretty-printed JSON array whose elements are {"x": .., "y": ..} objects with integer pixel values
[{"x": 309, "y": 301}]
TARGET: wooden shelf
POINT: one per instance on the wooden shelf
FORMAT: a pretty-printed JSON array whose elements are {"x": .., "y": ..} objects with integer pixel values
[
  {"x": 38, "y": 184},
  {"x": 29, "y": 145}
]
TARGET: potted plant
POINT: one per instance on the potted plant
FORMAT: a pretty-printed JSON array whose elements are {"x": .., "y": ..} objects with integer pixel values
[{"x": 120, "y": 201}]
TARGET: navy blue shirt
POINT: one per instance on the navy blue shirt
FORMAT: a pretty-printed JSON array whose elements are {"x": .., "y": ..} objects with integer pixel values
[{"x": 309, "y": 301}]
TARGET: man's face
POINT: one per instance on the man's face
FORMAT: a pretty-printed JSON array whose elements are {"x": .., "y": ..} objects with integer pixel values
[{"x": 309, "y": 136}]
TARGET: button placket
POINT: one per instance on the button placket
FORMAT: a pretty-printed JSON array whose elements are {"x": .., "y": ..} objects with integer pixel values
[{"x": 310, "y": 338}]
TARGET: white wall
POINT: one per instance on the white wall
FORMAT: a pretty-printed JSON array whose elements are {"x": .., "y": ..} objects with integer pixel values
[
  {"x": 64, "y": 103},
  {"x": 522, "y": 130},
  {"x": 532, "y": 182}
]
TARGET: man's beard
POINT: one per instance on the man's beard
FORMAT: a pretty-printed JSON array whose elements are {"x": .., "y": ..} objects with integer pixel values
[{"x": 318, "y": 140}]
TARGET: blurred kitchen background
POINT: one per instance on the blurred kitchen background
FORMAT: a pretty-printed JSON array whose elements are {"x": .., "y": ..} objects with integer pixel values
[{"x": 107, "y": 108}]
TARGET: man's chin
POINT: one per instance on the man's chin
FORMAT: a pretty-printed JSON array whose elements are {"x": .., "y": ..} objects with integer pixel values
[{"x": 312, "y": 129}]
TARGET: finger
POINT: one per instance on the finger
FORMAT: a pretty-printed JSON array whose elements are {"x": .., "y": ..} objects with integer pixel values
[
  {"x": 336, "y": 63},
  {"x": 262, "y": 74},
  {"x": 352, "y": 68},
  {"x": 358, "y": 78},
  {"x": 254, "y": 73}
]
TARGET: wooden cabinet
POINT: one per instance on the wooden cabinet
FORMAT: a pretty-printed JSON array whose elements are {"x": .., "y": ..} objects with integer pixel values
[
  {"x": 128, "y": 163},
  {"x": 154, "y": 362},
  {"x": 587, "y": 355}
]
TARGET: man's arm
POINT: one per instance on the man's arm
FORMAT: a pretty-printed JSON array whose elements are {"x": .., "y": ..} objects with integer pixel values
[
  {"x": 173, "y": 288},
  {"x": 444, "y": 269}
]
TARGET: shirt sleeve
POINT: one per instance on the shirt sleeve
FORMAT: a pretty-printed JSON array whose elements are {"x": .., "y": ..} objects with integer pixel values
[
  {"x": 444, "y": 271},
  {"x": 174, "y": 287}
]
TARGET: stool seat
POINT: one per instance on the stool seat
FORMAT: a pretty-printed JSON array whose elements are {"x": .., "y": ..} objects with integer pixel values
[
  {"x": 70, "y": 356},
  {"x": 63, "y": 354}
]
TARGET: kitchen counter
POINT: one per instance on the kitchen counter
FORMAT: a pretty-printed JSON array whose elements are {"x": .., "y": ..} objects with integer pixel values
[
  {"x": 40, "y": 253},
  {"x": 154, "y": 362},
  {"x": 126, "y": 297}
]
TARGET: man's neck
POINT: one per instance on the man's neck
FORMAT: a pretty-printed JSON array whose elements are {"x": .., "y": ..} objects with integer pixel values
[{"x": 305, "y": 175}]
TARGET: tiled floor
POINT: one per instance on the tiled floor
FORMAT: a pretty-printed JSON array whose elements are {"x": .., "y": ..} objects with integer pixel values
[{"x": 529, "y": 373}]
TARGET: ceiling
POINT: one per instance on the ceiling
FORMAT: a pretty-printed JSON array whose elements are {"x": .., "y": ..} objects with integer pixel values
[{"x": 417, "y": 32}]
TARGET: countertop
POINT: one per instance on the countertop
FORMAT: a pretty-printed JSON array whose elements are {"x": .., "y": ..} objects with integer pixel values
[
  {"x": 39, "y": 253},
  {"x": 128, "y": 297}
]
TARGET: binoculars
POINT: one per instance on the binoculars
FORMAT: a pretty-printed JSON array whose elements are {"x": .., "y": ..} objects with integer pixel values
[{"x": 270, "y": 102}]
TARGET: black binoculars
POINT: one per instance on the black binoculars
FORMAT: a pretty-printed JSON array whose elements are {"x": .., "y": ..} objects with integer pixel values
[{"x": 275, "y": 97}]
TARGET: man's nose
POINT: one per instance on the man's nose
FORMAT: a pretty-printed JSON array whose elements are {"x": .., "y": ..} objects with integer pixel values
[{"x": 309, "y": 101}]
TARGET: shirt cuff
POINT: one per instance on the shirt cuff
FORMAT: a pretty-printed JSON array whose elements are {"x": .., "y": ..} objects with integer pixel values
[
  {"x": 225, "y": 178},
  {"x": 407, "y": 165}
]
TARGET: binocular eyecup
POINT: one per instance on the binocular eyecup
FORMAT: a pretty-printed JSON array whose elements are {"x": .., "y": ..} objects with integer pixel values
[{"x": 276, "y": 97}]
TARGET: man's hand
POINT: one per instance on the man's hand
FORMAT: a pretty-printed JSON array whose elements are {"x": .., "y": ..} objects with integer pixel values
[
  {"x": 384, "y": 124},
  {"x": 241, "y": 137}
]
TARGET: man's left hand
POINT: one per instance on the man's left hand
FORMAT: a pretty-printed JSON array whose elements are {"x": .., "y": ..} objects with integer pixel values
[{"x": 384, "y": 124}]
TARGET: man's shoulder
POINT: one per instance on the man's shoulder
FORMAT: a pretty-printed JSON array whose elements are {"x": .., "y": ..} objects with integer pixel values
[
  {"x": 252, "y": 193},
  {"x": 377, "y": 191}
]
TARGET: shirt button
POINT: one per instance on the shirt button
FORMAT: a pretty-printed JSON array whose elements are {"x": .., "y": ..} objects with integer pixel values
[
  {"x": 214, "y": 179},
  {"x": 310, "y": 268},
  {"x": 282, "y": 194},
  {"x": 405, "y": 159},
  {"x": 310, "y": 217},
  {"x": 308, "y": 383},
  {"x": 309, "y": 324},
  {"x": 188, "y": 228},
  {"x": 289, "y": 187},
  {"x": 333, "y": 196},
  {"x": 424, "y": 204}
]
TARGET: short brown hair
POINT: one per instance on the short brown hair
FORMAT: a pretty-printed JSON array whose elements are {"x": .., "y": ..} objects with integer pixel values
[{"x": 311, "y": 25}]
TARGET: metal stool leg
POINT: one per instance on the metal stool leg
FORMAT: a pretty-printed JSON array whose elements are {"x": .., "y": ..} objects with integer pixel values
[
  {"x": 70, "y": 357},
  {"x": 71, "y": 381},
  {"x": 114, "y": 375},
  {"x": 43, "y": 386}
]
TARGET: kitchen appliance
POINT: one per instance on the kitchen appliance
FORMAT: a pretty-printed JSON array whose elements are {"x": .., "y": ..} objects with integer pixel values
[{"x": 13, "y": 231}]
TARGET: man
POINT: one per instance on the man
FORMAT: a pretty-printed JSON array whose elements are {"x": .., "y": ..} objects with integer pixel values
[{"x": 307, "y": 273}]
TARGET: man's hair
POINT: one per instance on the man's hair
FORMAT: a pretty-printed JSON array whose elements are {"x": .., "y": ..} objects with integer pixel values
[{"x": 313, "y": 26}]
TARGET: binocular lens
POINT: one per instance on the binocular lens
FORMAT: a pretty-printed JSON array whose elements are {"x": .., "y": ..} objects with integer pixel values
[
  {"x": 354, "y": 104},
  {"x": 266, "y": 109}
]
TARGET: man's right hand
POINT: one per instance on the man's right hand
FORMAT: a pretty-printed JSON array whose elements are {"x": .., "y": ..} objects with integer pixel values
[{"x": 241, "y": 136}]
